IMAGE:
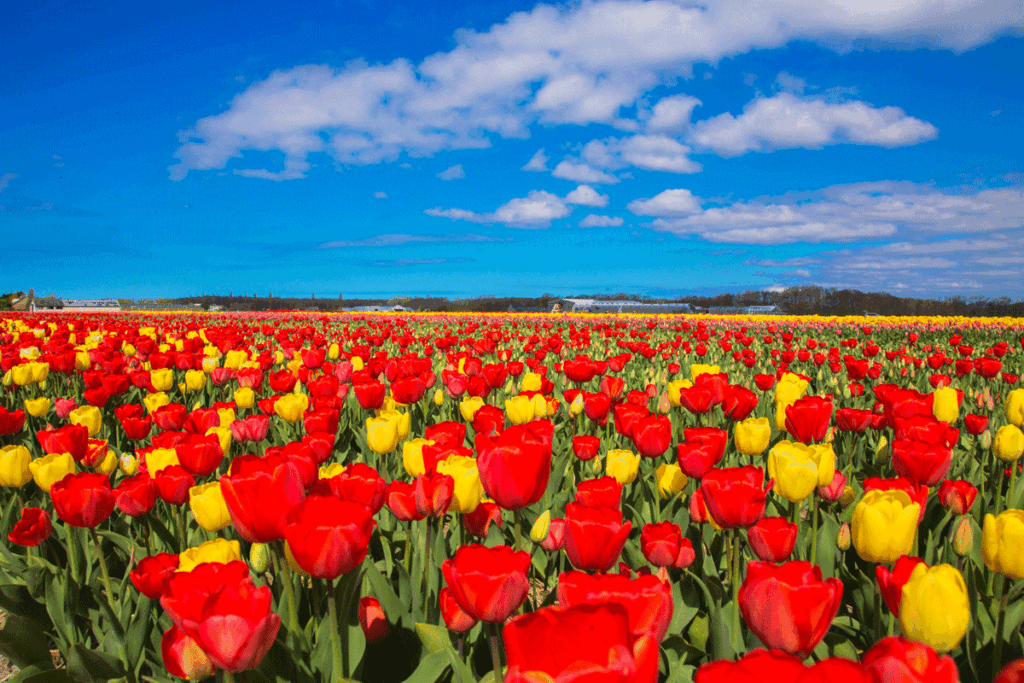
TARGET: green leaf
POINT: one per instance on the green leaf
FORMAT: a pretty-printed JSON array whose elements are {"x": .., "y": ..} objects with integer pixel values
[
  {"x": 138, "y": 629},
  {"x": 436, "y": 639},
  {"x": 393, "y": 607},
  {"x": 23, "y": 642},
  {"x": 90, "y": 666},
  {"x": 57, "y": 609},
  {"x": 430, "y": 669},
  {"x": 40, "y": 673}
]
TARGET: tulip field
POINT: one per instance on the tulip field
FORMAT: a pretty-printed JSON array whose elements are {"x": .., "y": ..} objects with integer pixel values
[{"x": 306, "y": 498}]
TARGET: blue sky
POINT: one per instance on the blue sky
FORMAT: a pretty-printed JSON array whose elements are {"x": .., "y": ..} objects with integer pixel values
[{"x": 512, "y": 148}]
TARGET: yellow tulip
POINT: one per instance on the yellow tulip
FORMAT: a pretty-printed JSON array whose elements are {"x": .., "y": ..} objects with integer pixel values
[
  {"x": 128, "y": 464},
  {"x": 37, "y": 407},
  {"x": 223, "y": 435},
  {"x": 195, "y": 380},
  {"x": 154, "y": 402},
  {"x": 1002, "y": 544},
  {"x": 519, "y": 409},
  {"x": 780, "y": 416},
  {"x": 934, "y": 609},
  {"x": 382, "y": 434},
  {"x": 208, "y": 506},
  {"x": 226, "y": 415},
  {"x": 208, "y": 364},
  {"x": 219, "y": 550},
  {"x": 22, "y": 374},
  {"x": 752, "y": 435},
  {"x": 357, "y": 363},
  {"x": 233, "y": 359},
  {"x": 849, "y": 495},
  {"x": 1014, "y": 407},
  {"x": 945, "y": 406},
  {"x": 576, "y": 407},
  {"x": 162, "y": 379},
  {"x": 622, "y": 465},
  {"x": 798, "y": 469},
  {"x": 330, "y": 471},
  {"x": 50, "y": 469},
  {"x": 541, "y": 526},
  {"x": 468, "y": 489},
  {"x": 89, "y": 417},
  {"x": 159, "y": 458},
  {"x": 698, "y": 369},
  {"x": 412, "y": 456},
  {"x": 540, "y": 406},
  {"x": 671, "y": 480},
  {"x": 531, "y": 382},
  {"x": 1009, "y": 443},
  {"x": 245, "y": 398},
  {"x": 333, "y": 351},
  {"x": 14, "y": 466},
  {"x": 109, "y": 463},
  {"x": 790, "y": 388},
  {"x": 883, "y": 526},
  {"x": 402, "y": 422},
  {"x": 438, "y": 397},
  {"x": 469, "y": 406},
  {"x": 82, "y": 360},
  {"x": 675, "y": 390},
  {"x": 290, "y": 407}
]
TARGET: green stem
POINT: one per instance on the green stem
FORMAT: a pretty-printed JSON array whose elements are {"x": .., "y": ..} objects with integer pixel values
[
  {"x": 814, "y": 528},
  {"x": 735, "y": 580},
  {"x": 997, "y": 655},
  {"x": 103, "y": 570},
  {"x": 426, "y": 565},
  {"x": 495, "y": 642},
  {"x": 281, "y": 566},
  {"x": 339, "y": 653},
  {"x": 72, "y": 551},
  {"x": 516, "y": 530}
]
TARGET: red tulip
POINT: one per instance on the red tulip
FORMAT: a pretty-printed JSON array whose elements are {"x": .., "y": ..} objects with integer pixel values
[
  {"x": 259, "y": 493},
  {"x": 73, "y": 439},
  {"x": 755, "y": 667},
  {"x": 33, "y": 528},
  {"x": 625, "y": 415},
  {"x": 808, "y": 418},
  {"x": 555, "y": 540},
  {"x": 200, "y": 455},
  {"x": 84, "y": 499},
  {"x": 400, "y": 499},
  {"x": 359, "y": 483},
  {"x": 173, "y": 484},
  {"x": 891, "y": 583},
  {"x": 219, "y": 607},
  {"x": 738, "y": 403},
  {"x": 697, "y": 399},
  {"x": 153, "y": 574},
  {"x": 975, "y": 424},
  {"x": 282, "y": 381},
  {"x": 788, "y": 606},
  {"x": 433, "y": 493},
  {"x": 455, "y": 618},
  {"x": 479, "y": 520},
  {"x": 373, "y": 620},
  {"x": 926, "y": 464},
  {"x": 588, "y": 642},
  {"x": 1011, "y": 673},
  {"x": 772, "y": 539},
  {"x": 489, "y": 584},
  {"x": 489, "y": 421},
  {"x": 370, "y": 394},
  {"x": 664, "y": 545},
  {"x": 171, "y": 417},
  {"x": 135, "y": 496},
  {"x": 183, "y": 656},
  {"x": 515, "y": 466},
  {"x": 585, "y": 447},
  {"x": 601, "y": 492},
  {"x": 596, "y": 405},
  {"x": 594, "y": 537},
  {"x": 853, "y": 420},
  {"x": 734, "y": 496},
  {"x": 327, "y": 536},
  {"x": 957, "y": 495},
  {"x": 652, "y": 435},
  {"x": 925, "y": 428},
  {"x": 897, "y": 659},
  {"x": 450, "y": 434}
]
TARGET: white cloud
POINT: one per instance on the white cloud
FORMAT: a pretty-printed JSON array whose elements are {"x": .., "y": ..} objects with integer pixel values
[
  {"x": 845, "y": 213},
  {"x": 595, "y": 221},
  {"x": 582, "y": 173},
  {"x": 585, "y": 195},
  {"x": 452, "y": 173},
  {"x": 789, "y": 83},
  {"x": 667, "y": 203},
  {"x": 649, "y": 152},
  {"x": 786, "y": 121},
  {"x": 538, "y": 162},
  {"x": 380, "y": 195},
  {"x": 6, "y": 179},
  {"x": 536, "y": 210},
  {"x": 672, "y": 114},
  {"x": 581, "y": 63}
]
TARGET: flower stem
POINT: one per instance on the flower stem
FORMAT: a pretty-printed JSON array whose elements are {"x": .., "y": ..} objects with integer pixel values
[
  {"x": 103, "y": 570},
  {"x": 997, "y": 655},
  {"x": 814, "y": 528},
  {"x": 495, "y": 642},
  {"x": 281, "y": 566},
  {"x": 735, "y": 580},
  {"x": 338, "y": 652}
]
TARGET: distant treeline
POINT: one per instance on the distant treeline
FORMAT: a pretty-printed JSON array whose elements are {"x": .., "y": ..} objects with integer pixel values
[{"x": 804, "y": 300}]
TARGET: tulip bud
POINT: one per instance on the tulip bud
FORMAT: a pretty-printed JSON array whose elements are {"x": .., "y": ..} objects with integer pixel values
[
  {"x": 664, "y": 404},
  {"x": 540, "y": 528},
  {"x": 849, "y": 495},
  {"x": 259, "y": 557},
  {"x": 985, "y": 440},
  {"x": 843, "y": 537},
  {"x": 882, "y": 452},
  {"x": 963, "y": 537},
  {"x": 576, "y": 407}
]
